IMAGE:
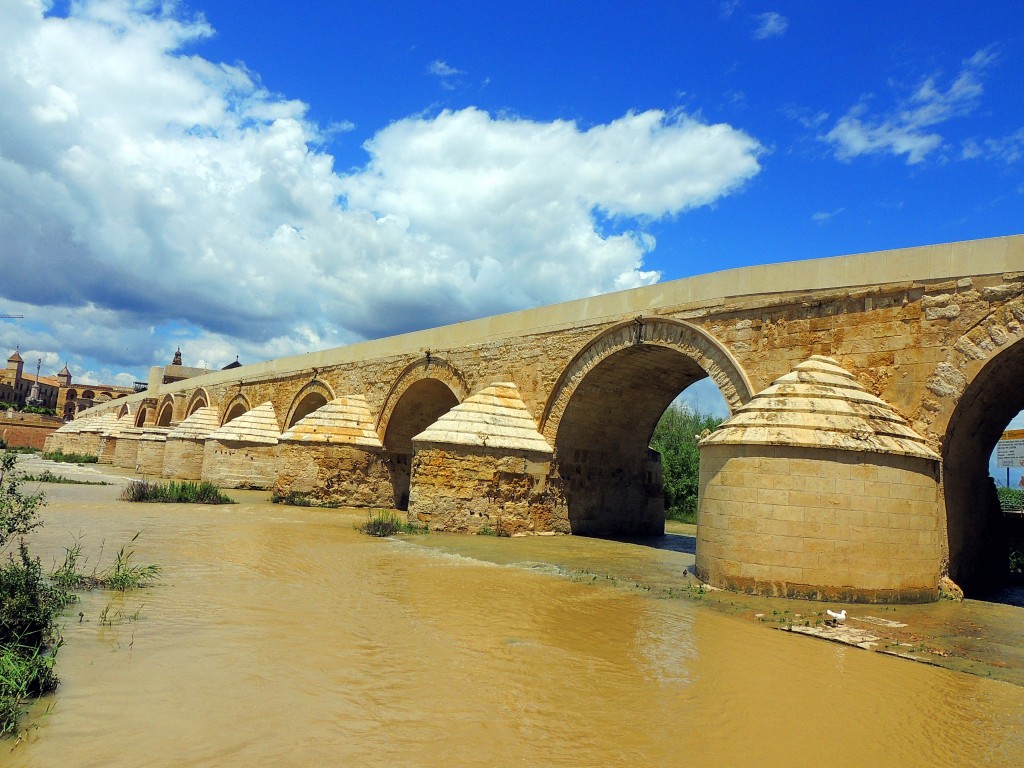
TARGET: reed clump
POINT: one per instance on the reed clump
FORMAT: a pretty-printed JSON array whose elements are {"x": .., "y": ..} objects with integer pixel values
[
  {"x": 185, "y": 492},
  {"x": 386, "y": 523},
  {"x": 70, "y": 458},
  {"x": 123, "y": 574}
]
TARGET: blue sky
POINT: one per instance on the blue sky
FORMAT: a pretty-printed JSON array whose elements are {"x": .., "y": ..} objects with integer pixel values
[{"x": 259, "y": 179}]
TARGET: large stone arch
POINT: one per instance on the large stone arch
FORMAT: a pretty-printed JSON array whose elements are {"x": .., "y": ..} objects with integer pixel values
[
  {"x": 426, "y": 390},
  {"x": 165, "y": 411},
  {"x": 975, "y": 392},
  {"x": 428, "y": 367},
  {"x": 234, "y": 408},
  {"x": 309, "y": 398},
  {"x": 602, "y": 413},
  {"x": 198, "y": 399},
  {"x": 696, "y": 344}
]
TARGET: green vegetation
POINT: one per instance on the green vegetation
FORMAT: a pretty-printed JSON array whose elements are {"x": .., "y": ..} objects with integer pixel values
[
  {"x": 27, "y": 409},
  {"x": 123, "y": 574},
  {"x": 70, "y": 458},
  {"x": 296, "y": 499},
  {"x": 29, "y": 604},
  {"x": 185, "y": 492},
  {"x": 46, "y": 476},
  {"x": 1010, "y": 498},
  {"x": 384, "y": 522},
  {"x": 675, "y": 438}
]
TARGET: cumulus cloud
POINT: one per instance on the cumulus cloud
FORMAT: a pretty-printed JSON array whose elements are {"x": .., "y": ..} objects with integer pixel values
[
  {"x": 770, "y": 24},
  {"x": 151, "y": 198},
  {"x": 909, "y": 128}
]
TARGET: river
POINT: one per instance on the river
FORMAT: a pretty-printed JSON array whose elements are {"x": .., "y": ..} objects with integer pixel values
[{"x": 280, "y": 636}]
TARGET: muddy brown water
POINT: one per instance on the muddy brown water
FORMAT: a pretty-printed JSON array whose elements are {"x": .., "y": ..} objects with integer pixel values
[{"x": 280, "y": 636}]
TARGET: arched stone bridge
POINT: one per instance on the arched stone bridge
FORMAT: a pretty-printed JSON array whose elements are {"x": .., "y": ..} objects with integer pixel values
[{"x": 539, "y": 421}]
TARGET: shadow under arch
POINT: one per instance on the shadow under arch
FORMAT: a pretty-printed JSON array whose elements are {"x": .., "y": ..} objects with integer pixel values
[
  {"x": 235, "y": 407},
  {"x": 140, "y": 417},
  {"x": 198, "y": 399},
  {"x": 602, "y": 413},
  {"x": 314, "y": 395},
  {"x": 165, "y": 411},
  {"x": 975, "y": 526},
  {"x": 426, "y": 390}
]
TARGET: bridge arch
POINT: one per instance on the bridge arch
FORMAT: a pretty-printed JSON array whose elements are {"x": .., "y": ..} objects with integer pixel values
[
  {"x": 165, "y": 411},
  {"x": 979, "y": 386},
  {"x": 312, "y": 396},
  {"x": 603, "y": 410},
  {"x": 235, "y": 407},
  {"x": 694, "y": 343},
  {"x": 426, "y": 390},
  {"x": 198, "y": 399},
  {"x": 141, "y": 415}
]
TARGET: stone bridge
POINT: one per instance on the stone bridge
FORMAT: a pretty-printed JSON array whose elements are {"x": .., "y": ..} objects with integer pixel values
[{"x": 867, "y": 393}]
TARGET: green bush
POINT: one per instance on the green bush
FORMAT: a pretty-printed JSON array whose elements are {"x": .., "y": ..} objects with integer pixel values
[
  {"x": 1010, "y": 498},
  {"x": 675, "y": 438}
]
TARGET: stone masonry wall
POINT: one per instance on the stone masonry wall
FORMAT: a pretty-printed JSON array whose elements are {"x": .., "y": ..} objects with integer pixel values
[
  {"x": 239, "y": 465},
  {"x": 334, "y": 474},
  {"x": 464, "y": 489},
  {"x": 183, "y": 459},
  {"x": 820, "y": 523}
]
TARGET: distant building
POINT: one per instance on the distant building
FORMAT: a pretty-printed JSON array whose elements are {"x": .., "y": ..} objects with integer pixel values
[{"x": 57, "y": 392}]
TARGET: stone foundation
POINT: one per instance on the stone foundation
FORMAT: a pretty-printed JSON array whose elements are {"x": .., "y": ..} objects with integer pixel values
[
  {"x": 340, "y": 475},
  {"x": 231, "y": 464},
  {"x": 826, "y": 524},
  {"x": 183, "y": 459},
  {"x": 464, "y": 488},
  {"x": 149, "y": 458},
  {"x": 126, "y": 450}
]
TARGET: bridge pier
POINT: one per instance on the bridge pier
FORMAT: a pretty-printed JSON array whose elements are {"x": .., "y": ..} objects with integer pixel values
[
  {"x": 818, "y": 489},
  {"x": 484, "y": 465}
]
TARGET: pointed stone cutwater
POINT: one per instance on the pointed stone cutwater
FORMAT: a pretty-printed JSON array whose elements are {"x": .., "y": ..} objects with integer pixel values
[
  {"x": 256, "y": 426},
  {"x": 199, "y": 426},
  {"x": 819, "y": 404},
  {"x": 483, "y": 465},
  {"x": 818, "y": 488},
  {"x": 243, "y": 452},
  {"x": 345, "y": 420},
  {"x": 334, "y": 456},
  {"x": 494, "y": 418}
]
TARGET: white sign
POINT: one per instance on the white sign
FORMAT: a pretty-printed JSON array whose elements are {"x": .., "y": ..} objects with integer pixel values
[{"x": 1010, "y": 453}]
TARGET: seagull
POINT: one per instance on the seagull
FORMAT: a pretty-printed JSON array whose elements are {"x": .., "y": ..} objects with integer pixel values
[{"x": 836, "y": 617}]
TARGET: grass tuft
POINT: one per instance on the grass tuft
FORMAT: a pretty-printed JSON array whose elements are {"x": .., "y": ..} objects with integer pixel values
[
  {"x": 185, "y": 492},
  {"x": 384, "y": 523},
  {"x": 46, "y": 476},
  {"x": 70, "y": 458}
]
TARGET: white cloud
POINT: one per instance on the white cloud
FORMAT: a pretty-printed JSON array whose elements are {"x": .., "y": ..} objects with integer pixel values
[
  {"x": 443, "y": 69},
  {"x": 823, "y": 216},
  {"x": 1008, "y": 149},
  {"x": 770, "y": 24},
  {"x": 174, "y": 200},
  {"x": 908, "y": 128}
]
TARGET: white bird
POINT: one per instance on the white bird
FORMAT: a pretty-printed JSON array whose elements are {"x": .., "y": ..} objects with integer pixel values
[{"x": 836, "y": 617}]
